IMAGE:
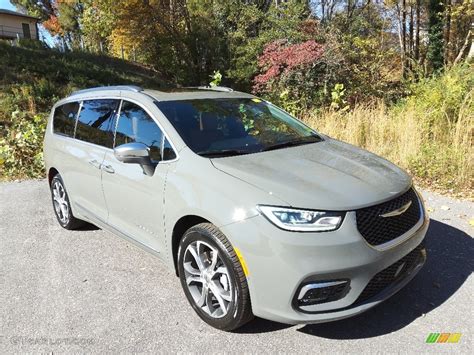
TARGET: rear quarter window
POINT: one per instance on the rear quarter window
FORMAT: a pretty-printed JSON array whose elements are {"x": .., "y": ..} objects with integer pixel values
[{"x": 64, "y": 119}]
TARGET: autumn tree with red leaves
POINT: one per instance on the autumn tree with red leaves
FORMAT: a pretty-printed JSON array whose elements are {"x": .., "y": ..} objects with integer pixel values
[{"x": 299, "y": 72}]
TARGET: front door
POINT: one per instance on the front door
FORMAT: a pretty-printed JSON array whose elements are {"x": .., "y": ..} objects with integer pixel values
[{"x": 135, "y": 200}]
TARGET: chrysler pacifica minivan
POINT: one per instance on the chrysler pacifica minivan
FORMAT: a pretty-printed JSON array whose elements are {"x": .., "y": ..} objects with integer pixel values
[{"x": 256, "y": 213}]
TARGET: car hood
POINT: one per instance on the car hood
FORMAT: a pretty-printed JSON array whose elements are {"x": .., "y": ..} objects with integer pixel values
[{"x": 328, "y": 175}]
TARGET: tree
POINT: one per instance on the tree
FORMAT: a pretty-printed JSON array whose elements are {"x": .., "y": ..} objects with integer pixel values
[
  {"x": 377, "y": 46},
  {"x": 98, "y": 21},
  {"x": 461, "y": 17},
  {"x": 60, "y": 17},
  {"x": 42, "y": 9},
  {"x": 435, "y": 53},
  {"x": 251, "y": 27},
  {"x": 294, "y": 73}
]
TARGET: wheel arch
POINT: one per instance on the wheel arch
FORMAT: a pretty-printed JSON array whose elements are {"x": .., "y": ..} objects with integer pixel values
[
  {"x": 52, "y": 172},
  {"x": 180, "y": 227}
]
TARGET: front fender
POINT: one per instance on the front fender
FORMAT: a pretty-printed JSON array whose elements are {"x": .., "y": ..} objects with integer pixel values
[{"x": 195, "y": 187}]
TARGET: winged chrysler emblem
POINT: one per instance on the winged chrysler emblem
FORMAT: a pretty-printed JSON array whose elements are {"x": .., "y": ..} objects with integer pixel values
[{"x": 398, "y": 211}]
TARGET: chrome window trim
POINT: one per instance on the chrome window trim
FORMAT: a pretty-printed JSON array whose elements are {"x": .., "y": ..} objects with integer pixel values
[
  {"x": 116, "y": 97},
  {"x": 162, "y": 146},
  {"x": 77, "y": 119},
  {"x": 117, "y": 116}
]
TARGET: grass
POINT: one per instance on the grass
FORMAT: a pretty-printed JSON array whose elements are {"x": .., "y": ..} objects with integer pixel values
[
  {"x": 69, "y": 71},
  {"x": 430, "y": 134}
]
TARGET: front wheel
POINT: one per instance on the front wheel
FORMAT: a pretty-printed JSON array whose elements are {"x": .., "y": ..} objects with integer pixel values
[{"x": 213, "y": 279}]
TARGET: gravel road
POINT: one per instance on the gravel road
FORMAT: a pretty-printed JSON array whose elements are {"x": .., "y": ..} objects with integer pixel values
[{"x": 90, "y": 291}]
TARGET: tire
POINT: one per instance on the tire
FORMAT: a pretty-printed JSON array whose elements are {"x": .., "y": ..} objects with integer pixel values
[
  {"x": 218, "y": 274},
  {"x": 62, "y": 206}
]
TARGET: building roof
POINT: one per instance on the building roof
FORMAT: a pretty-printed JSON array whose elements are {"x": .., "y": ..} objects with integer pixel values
[{"x": 14, "y": 13}]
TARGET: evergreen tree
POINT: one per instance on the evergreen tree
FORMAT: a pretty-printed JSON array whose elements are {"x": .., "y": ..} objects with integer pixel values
[{"x": 435, "y": 52}]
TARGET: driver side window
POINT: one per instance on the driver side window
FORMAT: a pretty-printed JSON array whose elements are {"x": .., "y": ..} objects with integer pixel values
[{"x": 135, "y": 125}]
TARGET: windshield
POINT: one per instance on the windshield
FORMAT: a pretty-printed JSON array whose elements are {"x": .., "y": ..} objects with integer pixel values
[{"x": 223, "y": 127}]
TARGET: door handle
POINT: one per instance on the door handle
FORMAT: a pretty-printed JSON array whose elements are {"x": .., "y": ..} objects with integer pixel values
[
  {"x": 108, "y": 169},
  {"x": 95, "y": 163}
]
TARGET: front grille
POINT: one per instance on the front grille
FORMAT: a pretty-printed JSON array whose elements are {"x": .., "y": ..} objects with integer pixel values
[
  {"x": 379, "y": 230},
  {"x": 394, "y": 273}
]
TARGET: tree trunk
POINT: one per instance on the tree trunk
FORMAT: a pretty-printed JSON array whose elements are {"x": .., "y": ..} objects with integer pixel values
[
  {"x": 417, "y": 35},
  {"x": 404, "y": 37},
  {"x": 400, "y": 35},
  {"x": 447, "y": 38},
  {"x": 323, "y": 9},
  {"x": 411, "y": 37},
  {"x": 463, "y": 48}
]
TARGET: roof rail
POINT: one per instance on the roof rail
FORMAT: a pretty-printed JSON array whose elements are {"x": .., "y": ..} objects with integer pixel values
[
  {"x": 214, "y": 88},
  {"x": 133, "y": 88}
]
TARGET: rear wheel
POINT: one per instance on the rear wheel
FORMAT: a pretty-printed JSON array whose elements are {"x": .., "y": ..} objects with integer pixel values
[
  {"x": 62, "y": 206},
  {"x": 213, "y": 279}
]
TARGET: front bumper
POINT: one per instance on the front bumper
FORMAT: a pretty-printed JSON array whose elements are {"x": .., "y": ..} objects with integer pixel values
[{"x": 279, "y": 262}]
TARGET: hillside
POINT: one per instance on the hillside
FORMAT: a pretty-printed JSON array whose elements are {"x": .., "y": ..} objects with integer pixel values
[
  {"x": 32, "y": 79},
  {"x": 64, "y": 72}
]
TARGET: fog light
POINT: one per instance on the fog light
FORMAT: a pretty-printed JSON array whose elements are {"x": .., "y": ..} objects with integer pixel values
[{"x": 322, "y": 292}]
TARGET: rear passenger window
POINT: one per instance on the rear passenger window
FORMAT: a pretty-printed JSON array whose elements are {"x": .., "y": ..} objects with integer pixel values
[
  {"x": 64, "y": 119},
  {"x": 135, "y": 125},
  {"x": 96, "y": 122}
]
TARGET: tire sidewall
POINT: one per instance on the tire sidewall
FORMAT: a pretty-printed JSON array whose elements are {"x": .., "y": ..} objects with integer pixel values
[
  {"x": 58, "y": 178},
  {"x": 231, "y": 317}
]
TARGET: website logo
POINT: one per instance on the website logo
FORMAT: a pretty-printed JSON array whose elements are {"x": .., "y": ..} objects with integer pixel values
[{"x": 443, "y": 338}]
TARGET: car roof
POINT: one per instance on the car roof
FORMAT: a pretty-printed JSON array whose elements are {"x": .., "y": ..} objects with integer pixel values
[
  {"x": 167, "y": 94},
  {"x": 194, "y": 94}
]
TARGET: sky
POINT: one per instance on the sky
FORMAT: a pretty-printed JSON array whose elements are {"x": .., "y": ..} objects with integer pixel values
[{"x": 6, "y": 4}]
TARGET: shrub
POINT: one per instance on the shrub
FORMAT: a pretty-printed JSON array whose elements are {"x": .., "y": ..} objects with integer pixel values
[
  {"x": 21, "y": 153},
  {"x": 31, "y": 44},
  {"x": 297, "y": 75},
  {"x": 430, "y": 133}
]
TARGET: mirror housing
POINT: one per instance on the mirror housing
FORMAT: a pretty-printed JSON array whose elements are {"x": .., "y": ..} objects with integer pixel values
[{"x": 135, "y": 153}]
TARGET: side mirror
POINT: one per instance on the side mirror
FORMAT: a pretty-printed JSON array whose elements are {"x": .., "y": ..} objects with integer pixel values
[{"x": 135, "y": 153}]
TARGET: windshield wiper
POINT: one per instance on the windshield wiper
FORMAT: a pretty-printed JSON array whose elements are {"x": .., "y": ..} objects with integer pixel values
[
  {"x": 221, "y": 153},
  {"x": 294, "y": 143}
]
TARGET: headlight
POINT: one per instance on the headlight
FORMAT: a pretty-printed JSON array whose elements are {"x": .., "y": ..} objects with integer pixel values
[{"x": 302, "y": 220}]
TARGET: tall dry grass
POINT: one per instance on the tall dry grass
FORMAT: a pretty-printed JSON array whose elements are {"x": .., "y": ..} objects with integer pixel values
[{"x": 438, "y": 152}]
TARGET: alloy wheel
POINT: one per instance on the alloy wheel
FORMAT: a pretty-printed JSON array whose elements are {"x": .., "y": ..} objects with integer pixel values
[
  {"x": 207, "y": 279},
  {"x": 61, "y": 204}
]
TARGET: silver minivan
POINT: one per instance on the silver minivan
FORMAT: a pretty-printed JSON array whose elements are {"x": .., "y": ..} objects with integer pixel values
[{"x": 257, "y": 213}]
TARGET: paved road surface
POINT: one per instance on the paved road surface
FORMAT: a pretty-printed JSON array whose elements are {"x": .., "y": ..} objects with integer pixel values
[{"x": 90, "y": 291}]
